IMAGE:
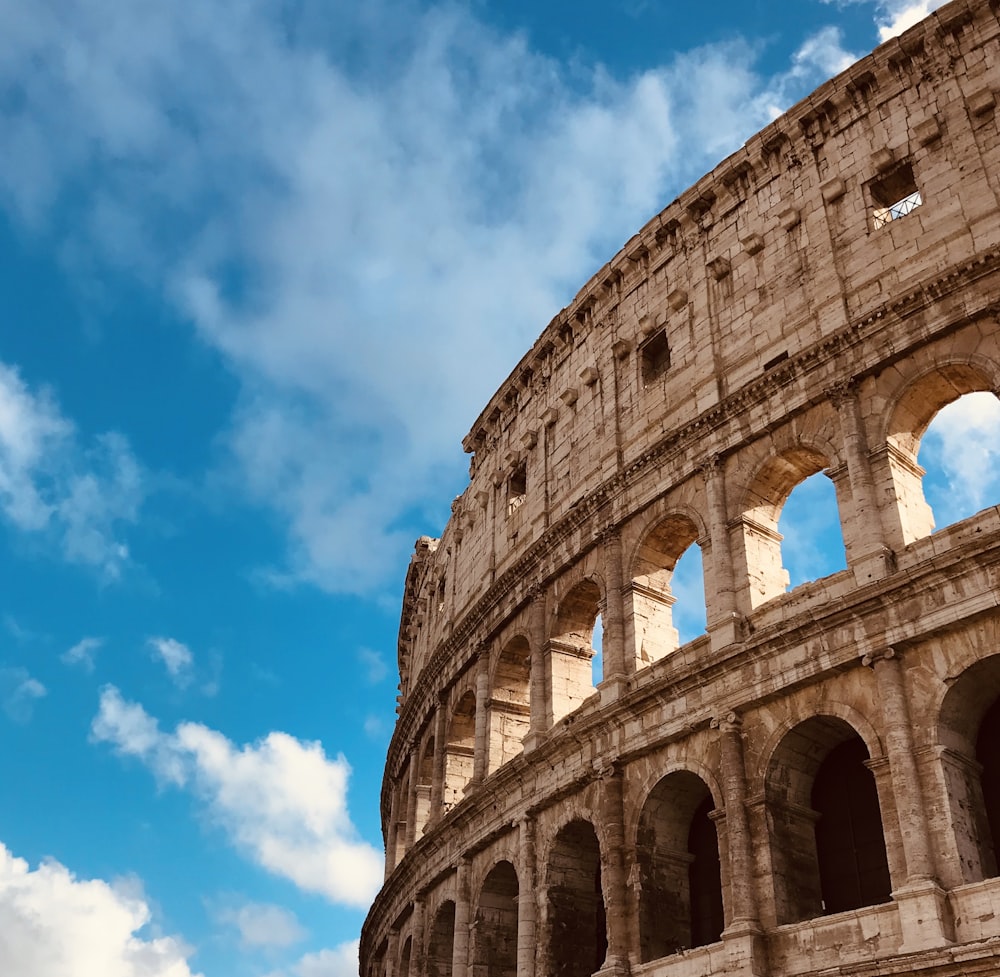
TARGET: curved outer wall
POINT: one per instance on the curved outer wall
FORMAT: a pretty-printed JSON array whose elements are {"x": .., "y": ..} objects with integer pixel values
[{"x": 760, "y": 329}]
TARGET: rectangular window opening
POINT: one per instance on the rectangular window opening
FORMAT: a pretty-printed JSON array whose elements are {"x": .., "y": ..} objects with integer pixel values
[
  {"x": 517, "y": 488},
  {"x": 655, "y": 357},
  {"x": 894, "y": 195}
]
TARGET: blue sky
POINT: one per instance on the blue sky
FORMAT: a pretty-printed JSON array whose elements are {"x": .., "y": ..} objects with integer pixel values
[{"x": 261, "y": 265}]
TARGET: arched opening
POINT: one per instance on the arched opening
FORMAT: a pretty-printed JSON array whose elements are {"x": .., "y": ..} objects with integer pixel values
[
  {"x": 960, "y": 456},
  {"x": 425, "y": 776},
  {"x": 812, "y": 542},
  {"x": 510, "y": 704},
  {"x": 577, "y": 930},
  {"x": 667, "y": 571},
  {"x": 969, "y": 731},
  {"x": 404, "y": 958},
  {"x": 955, "y": 450},
  {"x": 571, "y": 649},
  {"x": 460, "y": 754},
  {"x": 827, "y": 844},
  {"x": 494, "y": 951},
  {"x": 441, "y": 946},
  {"x": 597, "y": 662},
  {"x": 766, "y": 497},
  {"x": 677, "y": 848}
]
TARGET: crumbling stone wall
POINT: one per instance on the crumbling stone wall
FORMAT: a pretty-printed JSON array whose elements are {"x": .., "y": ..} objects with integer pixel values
[{"x": 808, "y": 306}]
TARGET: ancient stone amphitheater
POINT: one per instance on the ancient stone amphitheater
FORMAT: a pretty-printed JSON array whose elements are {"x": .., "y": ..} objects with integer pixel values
[{"x": 813, "y": 785}]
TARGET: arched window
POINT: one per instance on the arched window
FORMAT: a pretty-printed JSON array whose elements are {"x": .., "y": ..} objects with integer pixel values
[
  {"x": 441, "y": 947},
  {"x": 827, "y": 844},
  {"x": 680, "y": 902},
  {"x": 494, "y": 951},
  {"x": 667, "y": 569},
  {"x": 960, "y": 455},
  {"x": 962, "y": 449},
  {"x": 969, "y": 731},
  {"x": 571, "y": 649},
  {"x": 404, "y": 958},
  {"x": 812, "y": 541},
  {"x": 762, "y": 542},
  {"x": 577, "y": 924},
  {"x": 510, "y": 707},
  {"x": 460, "y": 754}
]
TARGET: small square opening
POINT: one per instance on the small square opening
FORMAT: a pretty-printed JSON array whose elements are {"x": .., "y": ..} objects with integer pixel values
[
  {"x": 894, "y": 195},
  {"x": 655, "y": 357}
]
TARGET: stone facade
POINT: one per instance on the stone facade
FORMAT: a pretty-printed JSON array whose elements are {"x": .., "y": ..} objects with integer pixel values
[{"x": 812, "y": 786}]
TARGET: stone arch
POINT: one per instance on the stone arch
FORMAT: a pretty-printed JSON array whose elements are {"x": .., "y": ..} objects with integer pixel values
[
  {"x": 649, "y": 598},
  {"x": 571, "y": 646},
  {"x": 494, "y": 942},
  {"x": 677, "y": 853},
  {"x": 826, "y": 837},
  {"x": 761, "y": 506},
  {"x": 425, "y": 778},
  {"x": 968, "y": 729},
  {"x": 405, "y": 958},
  {"x": 441, "y": 944},
  {"x": 907, "y": 419},
  {"x": 510, "y": 702},
  {"x": 460, "y": 749},
  {"x": 577, "y": 940}
]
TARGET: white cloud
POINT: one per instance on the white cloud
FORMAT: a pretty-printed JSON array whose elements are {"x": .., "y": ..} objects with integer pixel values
[
  {"x": 263, "y": 924},
  {"x": 281, "y": 801},
  {"x": 370, "y": 247},
  {"x": 55, "y": 925},
  {"x": 896, "y": 16},
  {"x": 892, "y": 17},
  {"x": 342, "y": 961},
  {"x": 18, "y": 694},
  {"x": 176, "y": 658},
  {"x": 54, "y": 486},
  {"x": 82, "y": 653},
  {"x": 961, "y": 453}
]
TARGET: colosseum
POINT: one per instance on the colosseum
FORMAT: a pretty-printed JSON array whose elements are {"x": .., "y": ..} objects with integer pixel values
[{"x": 812, "y": 785}]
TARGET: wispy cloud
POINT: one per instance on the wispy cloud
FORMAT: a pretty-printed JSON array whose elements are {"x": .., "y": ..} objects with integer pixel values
[
  {"x": 374, "y": 665},
  {"x": 892, "y": 17},
  {"x": 55, "y": 486},
  {"x": 19, "y": 692},
  {"x": 342, "y": 961},
  {"x": 261, "y": 924},
  {"x": 176, "y": 657},
  {"x": 55, "y": 924},
  {"x": 281, "y": 801},
  {"x": 82, "y": 653},
  {"x": 371, "y": 241}
]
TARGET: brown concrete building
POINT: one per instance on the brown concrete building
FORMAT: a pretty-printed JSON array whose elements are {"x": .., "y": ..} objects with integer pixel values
[{"x": 813, "y": 785}]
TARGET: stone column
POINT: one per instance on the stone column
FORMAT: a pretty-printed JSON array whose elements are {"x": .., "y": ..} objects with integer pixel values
[
  {"x": 390, "y": 840},
  {"x": 419, "y": 938},
  {"x": 922, "y": 906},
  {"x": 618, "y": 663},
  {"x": 392, "y": 954},
  {"x": 734, "y": 786},
  {"x": 527, "y": 909},
  {"x": 613, "y": 871},
  {"x": 541, "y": 713},
  {"x": 871, "y": 558},
  {"x": 480, "y": 760},
  {"x": 460, "y": 949},
  {"x": 411, "y": 799},
  {"x": 724, "y": 619},
  {"x": 743, "y": 936},
  {"x": 440, "y": 758}
]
